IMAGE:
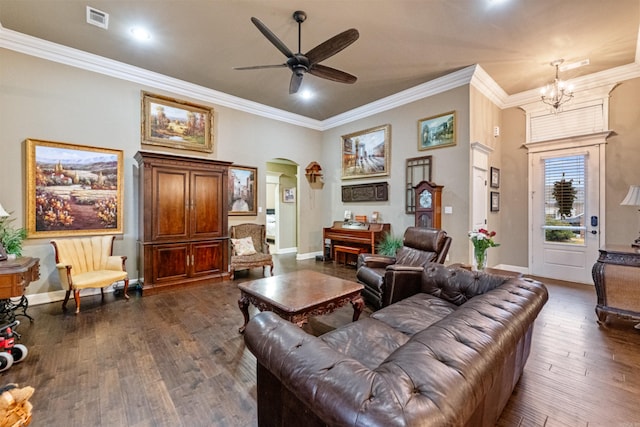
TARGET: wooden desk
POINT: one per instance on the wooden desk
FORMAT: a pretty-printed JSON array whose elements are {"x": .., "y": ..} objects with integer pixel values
[
  {"x": 616, "y": 276},
  {"x": 299, "y": 295},
  {"x": 15, "y": 276}
]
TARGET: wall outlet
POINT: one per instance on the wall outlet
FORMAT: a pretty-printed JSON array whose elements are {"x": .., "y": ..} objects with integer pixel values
[{"x": 448, "y": 209}]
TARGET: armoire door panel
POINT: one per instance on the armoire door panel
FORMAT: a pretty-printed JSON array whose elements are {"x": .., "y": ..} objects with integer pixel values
[
  {"x": 171, "y": 204},
  {"x": 208, "y": 257},
  {"x": 170, "y": 262},
  {"x": 206, "y": 216}
]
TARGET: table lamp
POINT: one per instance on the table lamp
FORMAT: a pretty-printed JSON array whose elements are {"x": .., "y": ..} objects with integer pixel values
[{"x": 633, "y": 199}]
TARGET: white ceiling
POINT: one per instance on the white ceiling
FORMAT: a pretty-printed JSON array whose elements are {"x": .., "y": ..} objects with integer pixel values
[{"x": 403, "y": 43}]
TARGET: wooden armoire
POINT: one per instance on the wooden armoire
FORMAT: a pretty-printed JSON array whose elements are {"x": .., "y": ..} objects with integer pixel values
[{"x": 182, "y": 230}]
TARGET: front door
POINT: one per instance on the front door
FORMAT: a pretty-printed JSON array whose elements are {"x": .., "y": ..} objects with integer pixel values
[{"x": 565, "y": 213}]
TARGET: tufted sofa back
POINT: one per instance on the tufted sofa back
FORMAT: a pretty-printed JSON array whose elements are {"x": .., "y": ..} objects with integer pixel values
[{"x": 458, "y": 285}]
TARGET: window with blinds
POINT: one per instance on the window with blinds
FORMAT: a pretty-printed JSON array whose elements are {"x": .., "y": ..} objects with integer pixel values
[{"x": 565, "y": 199}]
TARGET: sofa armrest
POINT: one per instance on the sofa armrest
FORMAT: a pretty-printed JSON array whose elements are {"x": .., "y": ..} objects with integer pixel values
[
  {"x": 311, "y": 369},
  {"x": 401, "y": 281},
  {"x": 64, "y": 273},
  {"x": 375, "y": 261}
]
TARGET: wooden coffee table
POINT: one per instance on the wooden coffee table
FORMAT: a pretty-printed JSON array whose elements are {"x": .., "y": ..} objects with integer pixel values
[{"x": 299, "y": 295}]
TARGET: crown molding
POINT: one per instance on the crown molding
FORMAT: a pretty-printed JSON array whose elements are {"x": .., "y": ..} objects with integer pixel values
[
  {"x": 54, "y": 52},
  {"x": 424, "y": 90},
  {"x": 586, "y": 83},
  {"x": 473, "y": 75}
]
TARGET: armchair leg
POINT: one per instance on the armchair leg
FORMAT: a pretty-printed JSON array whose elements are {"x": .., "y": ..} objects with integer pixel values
[
  {"x": 66, "y": 299},
  {"x": 76, "y": 296},
  {"x": 271, "y": 265},
  {"x": 231, "y": 273},
  {"x": 102, "y": 294},
  {"x": 126, "y": 288}
]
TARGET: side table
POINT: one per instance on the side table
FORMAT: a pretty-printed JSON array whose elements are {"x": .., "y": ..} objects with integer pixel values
[
  {"x": 15, "y": 276},
  {"x": 616, "y": 276}
]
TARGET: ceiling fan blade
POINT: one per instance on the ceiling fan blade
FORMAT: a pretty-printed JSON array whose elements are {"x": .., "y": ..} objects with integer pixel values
[
  {"x": 329, "y": 73},
  {"x": 332, "y": 46},
  {"x": 296, "y": 81},
  {"x": 258, "y": 67},
  {"x": 272, "y": 37}
]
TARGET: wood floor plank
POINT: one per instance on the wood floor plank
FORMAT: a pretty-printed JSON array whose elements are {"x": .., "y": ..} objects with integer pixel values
[{"x": 176, "y": 359}]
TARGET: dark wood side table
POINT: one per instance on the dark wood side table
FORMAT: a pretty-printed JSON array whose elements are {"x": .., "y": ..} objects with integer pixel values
[
  {"x": 15, "y": 276},
  {"x": 616, "y": 276}
]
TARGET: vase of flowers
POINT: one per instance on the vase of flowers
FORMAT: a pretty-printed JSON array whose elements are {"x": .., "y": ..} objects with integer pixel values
[{"x": 482, "y": 240}]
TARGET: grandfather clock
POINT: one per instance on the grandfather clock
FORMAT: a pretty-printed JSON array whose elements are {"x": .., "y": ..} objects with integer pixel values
[{"x": 428, "y": 197}]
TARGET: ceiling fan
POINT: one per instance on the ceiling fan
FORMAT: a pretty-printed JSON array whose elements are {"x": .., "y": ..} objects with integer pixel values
[{"x": 300, "y": 63}]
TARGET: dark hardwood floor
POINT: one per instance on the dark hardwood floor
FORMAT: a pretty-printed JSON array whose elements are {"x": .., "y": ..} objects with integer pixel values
[{"x": 176, "y": 359}]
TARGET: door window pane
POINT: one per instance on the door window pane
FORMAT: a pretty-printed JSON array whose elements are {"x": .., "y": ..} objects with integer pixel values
[{"x": 565, "y": 199}]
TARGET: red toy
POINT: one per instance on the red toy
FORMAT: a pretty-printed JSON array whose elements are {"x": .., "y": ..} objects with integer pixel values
[{"x": 10, "y": 352}]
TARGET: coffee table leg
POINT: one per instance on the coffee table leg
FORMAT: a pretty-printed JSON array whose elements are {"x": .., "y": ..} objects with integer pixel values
[
  {"x": 243, "y": 303},
  {"x": 358, "y": 306}
]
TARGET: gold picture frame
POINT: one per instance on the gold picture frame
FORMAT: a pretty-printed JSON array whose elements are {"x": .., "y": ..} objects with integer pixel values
[
  {"x": 177, "y": 124},
  {"x": 437, "y": 131},
  {"x": 73, "y": 189},
  {"x": 243, "y": 190},
  {"x": 366, "y": 153}
]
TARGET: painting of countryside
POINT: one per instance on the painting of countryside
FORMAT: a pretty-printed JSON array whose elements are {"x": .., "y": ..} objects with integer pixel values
[
  {"x": 177, "y": 124},
  {"x": 76, "y": 189}
]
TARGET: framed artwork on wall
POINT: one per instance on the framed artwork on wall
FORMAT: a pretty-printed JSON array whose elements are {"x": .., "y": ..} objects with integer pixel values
[
  {"x": 243, "y": 193},
  {"x": 289, "y": 195},
  {"x": 73, "y": 189},
  {"x": 366, "y": 153},
  {"x": 177, "y": 124},
  {"x": 495, "y": 178},
  {"x": 437, "y": 131},
  {"x": 495, "y": 201}
]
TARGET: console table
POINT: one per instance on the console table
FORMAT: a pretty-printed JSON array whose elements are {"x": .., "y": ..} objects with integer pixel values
[
  {"x": 616, "y": 275},
  {"x": 15, "y": 276}
]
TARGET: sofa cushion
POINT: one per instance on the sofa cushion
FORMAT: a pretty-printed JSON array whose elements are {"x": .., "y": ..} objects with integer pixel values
[
  {"x": 367, "y": 341},
  {"x": 413, "y": 314}
]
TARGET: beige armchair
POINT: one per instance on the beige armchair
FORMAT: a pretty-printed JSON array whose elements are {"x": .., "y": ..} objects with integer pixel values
[
  {"x": 249, "y": 248},
  {"x": 87, "y": 262}
]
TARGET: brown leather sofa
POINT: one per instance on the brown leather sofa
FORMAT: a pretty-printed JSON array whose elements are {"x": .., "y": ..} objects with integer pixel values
[
  {"x": 448, "y": 355},
  {"x": 420, "y": 246}
]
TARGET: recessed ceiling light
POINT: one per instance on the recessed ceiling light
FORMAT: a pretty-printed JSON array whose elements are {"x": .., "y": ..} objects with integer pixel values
[
  {"x": 306, "y": 94},
  {"x": 140, "y": 33}
]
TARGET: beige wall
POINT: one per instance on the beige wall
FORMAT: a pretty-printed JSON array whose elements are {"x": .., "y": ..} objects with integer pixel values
[
  {"x": 484, "y": 116},
  {"x": 450, "y": 166},
  {"x": 45, "y": 100}
]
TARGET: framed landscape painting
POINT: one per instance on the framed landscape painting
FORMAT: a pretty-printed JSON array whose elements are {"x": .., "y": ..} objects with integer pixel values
[
  {"x": 243, "y": 196},
  {"x": 366, "y": 153},
  {"x": 437, "y": 131},
  {"x": 73, "y": 189},
  {"x": 177, "y": 124}
]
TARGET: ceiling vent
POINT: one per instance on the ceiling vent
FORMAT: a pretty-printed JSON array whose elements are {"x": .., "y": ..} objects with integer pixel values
[{"x": 97, "y": 17}]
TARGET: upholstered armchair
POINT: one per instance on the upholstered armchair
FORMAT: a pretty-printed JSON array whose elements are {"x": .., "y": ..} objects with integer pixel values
[
  {"x": 378, "y": 272},
  {"x": 249, "y": 248},
  {"x": 87, "y": 262}
]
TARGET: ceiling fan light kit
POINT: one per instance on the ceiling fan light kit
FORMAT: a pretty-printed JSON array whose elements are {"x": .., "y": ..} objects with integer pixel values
[{"x": 300, "y": 63}]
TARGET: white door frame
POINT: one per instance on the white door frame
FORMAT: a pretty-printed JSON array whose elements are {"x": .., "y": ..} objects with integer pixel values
[{"x": 596, "y": 139}]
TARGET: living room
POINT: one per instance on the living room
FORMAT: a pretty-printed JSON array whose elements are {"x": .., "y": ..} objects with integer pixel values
[{"x": 84, "y": 101}]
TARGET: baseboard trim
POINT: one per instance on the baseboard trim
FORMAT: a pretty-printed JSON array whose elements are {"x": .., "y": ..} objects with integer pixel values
[
  {"x": 55, "y": 296},
  {"x": 308, "y": 255},
  {"x": 516, "y": 268}
]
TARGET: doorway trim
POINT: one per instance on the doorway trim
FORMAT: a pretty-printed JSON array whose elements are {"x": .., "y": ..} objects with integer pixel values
[{"x": 598, "y": 139}]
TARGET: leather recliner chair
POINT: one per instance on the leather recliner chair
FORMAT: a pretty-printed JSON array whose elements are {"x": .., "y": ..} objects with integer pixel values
[{"x": 377, "y": 272}]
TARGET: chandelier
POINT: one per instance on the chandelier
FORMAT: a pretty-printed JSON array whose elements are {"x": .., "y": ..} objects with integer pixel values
[{"x": 557, "y": 92}]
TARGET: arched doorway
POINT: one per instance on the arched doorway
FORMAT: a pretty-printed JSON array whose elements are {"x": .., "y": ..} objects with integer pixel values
[{"x": 282, "y": 205}]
